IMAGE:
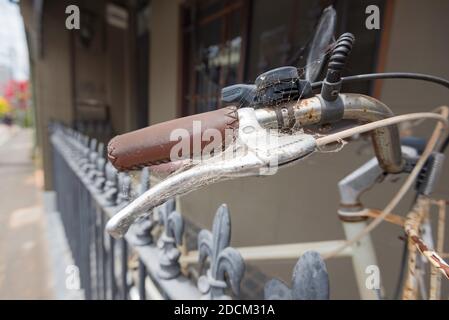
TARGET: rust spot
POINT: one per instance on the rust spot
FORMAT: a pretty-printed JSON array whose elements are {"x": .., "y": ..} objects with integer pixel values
[
  {"x": 310, "y": 115},
  {"x": 421, "y": 246}
]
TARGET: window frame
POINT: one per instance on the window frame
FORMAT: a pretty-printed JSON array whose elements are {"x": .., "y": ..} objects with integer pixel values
[{"x": 187, "y": 77}]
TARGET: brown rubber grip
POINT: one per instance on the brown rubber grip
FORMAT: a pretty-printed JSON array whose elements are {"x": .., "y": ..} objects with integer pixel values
[{"x": 151, "y": 145}]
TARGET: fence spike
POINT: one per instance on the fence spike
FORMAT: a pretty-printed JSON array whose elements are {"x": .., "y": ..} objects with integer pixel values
[
  {"x": 223, "y": 259},
  {"x": 310, "y": 281},
  {"x": 141, "y": 229},
  {"x": 171, "y": 237},
  {"x": 124, "y": 188},
  {"x": 110, "y": 186}
]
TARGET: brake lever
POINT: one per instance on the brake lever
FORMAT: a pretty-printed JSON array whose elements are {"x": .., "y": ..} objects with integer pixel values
[{"x": 256, "y": 151}]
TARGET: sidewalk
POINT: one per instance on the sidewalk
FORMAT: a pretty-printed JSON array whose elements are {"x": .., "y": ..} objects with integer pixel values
[
  {"x": 24, "y": 258},
  {"x": 7, "y": 133}
]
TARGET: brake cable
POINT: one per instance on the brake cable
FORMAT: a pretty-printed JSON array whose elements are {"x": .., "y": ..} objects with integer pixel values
[{"x": 389, "y": 75}]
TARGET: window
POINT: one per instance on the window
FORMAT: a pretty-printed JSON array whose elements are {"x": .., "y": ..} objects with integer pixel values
[
  {"x": 213, "y": 35},
  {"x": 228, "y": 42}
]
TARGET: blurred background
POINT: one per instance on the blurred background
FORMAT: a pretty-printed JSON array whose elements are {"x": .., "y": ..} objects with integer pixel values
[{"x": 133, "y": 63}]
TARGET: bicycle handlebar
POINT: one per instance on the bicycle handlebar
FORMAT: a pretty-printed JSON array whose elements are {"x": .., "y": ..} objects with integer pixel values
[{"x": 153, "y": 145}]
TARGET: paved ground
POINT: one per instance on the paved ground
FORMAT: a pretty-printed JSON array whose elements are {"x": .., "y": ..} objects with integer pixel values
[{"x": 24, "y": 257}]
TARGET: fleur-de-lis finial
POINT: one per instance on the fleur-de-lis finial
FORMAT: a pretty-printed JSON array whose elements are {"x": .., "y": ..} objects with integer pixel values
[
  {"x": 144, "y": 180},
  {"x": 169, "y": 240},
  {"x": 90, "y": 155},
  {"x": 75, "y": 144},
  {"x": 84, "y": 151},
  {"x": 310, "y": 281},
  {"x": 110, "y": 186},
  {"x": 124, "y": 188},
  {"x": 101, "y": 174},
  {"x": 94, "y": 158},
  {"x": 141, "y": 229},
  {"x": 223, "y": 259}
]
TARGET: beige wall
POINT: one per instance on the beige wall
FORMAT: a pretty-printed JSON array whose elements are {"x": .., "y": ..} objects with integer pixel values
[
  {"x": 52, "y": 72},
  {"x": 114, "y": 77},
  {"x": 299, "y": 203},
  {"x": 164, "y": 60}
]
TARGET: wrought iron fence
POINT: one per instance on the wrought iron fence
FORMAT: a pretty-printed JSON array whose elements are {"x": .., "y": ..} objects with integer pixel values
[{"x": 90, "y": 191}]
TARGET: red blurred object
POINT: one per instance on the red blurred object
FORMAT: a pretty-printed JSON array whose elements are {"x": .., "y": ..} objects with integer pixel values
[{"x": 17, "y": 93}]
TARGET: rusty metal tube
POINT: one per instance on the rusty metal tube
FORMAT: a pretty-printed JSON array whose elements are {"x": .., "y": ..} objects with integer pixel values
[
  {"x": 351, "y": 106},
  {"x": 299, "y": 113},
  {"x": 386, "y": 142}
]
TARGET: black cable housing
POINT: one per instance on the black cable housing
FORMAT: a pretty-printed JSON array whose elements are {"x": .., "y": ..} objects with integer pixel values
[
  {"x": 389, "y": 75},
  {"x": 339, "y": 57}
]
